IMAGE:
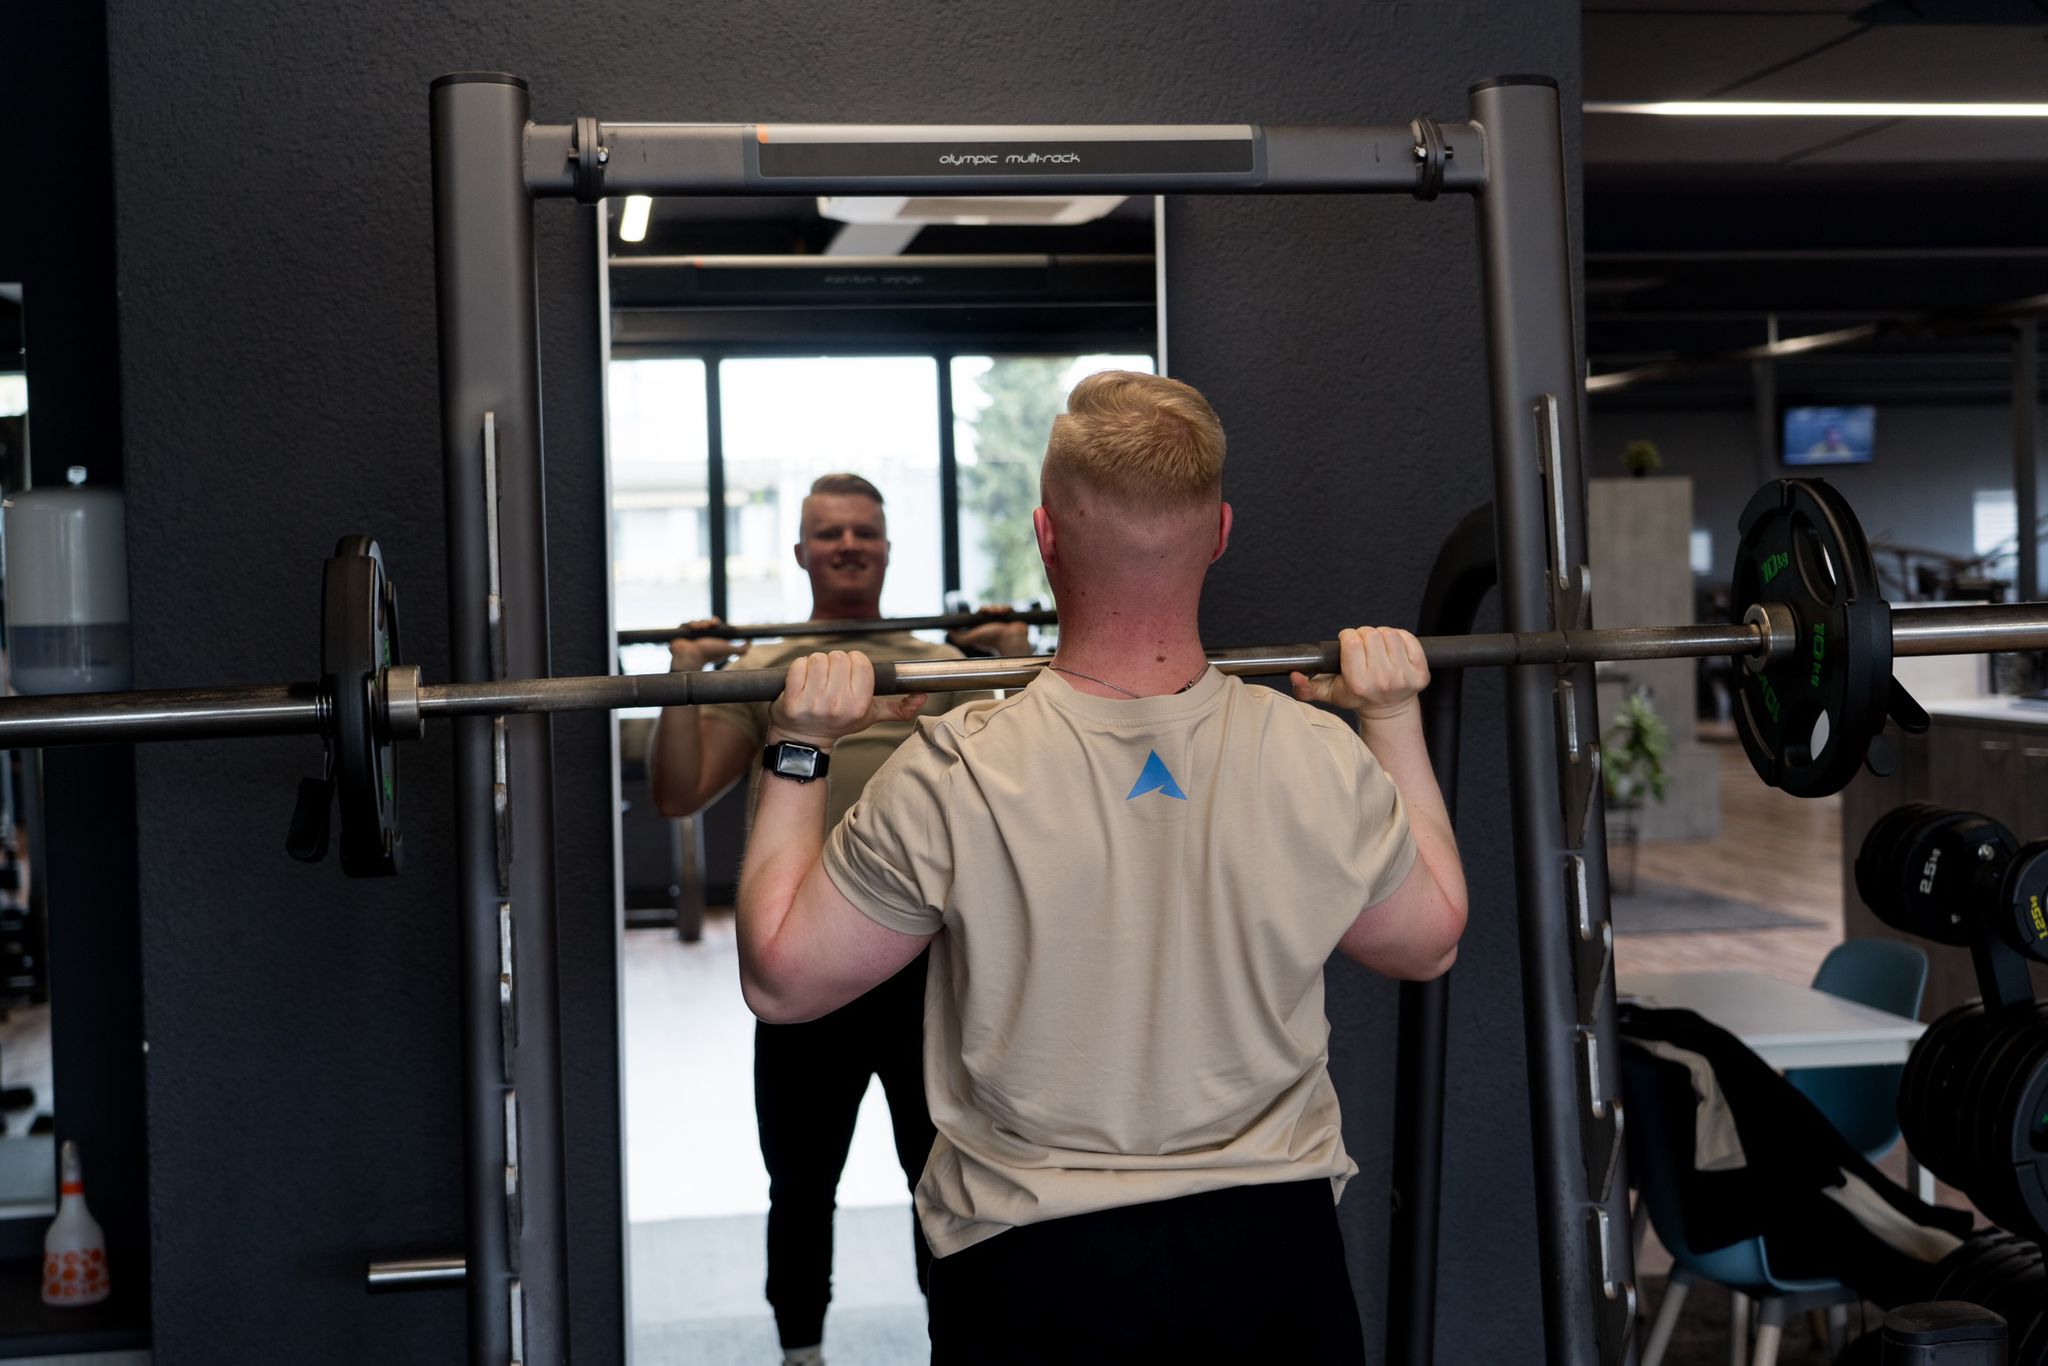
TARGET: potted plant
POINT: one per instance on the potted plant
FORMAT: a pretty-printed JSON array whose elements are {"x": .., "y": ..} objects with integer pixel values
[
  {"x": 1632, "y": 754},
  {"x": 1641, "y": 459}
]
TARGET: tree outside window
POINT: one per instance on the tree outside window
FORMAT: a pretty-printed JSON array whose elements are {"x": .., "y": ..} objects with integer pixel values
[{"x": 1003, "y": 411}]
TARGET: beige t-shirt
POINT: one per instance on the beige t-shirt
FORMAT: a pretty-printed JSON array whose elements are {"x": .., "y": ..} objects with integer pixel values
[
  {"x": 1137, "y": 899},
  {"x": 855, "y": 758}
]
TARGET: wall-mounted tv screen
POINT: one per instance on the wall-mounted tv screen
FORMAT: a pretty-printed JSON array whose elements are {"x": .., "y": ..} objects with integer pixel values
[{"x": 1829, "y": 436}]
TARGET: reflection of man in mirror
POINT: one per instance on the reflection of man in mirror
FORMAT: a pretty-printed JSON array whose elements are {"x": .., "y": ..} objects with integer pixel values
[
  {"x": 1130, "y": 876},
  {"x": 809, "y": 1078},
  {"x": 1831, "y": 446}
]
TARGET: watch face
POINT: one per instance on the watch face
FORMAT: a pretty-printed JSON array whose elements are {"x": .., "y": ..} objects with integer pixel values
[{"x": 796, "y": 761}]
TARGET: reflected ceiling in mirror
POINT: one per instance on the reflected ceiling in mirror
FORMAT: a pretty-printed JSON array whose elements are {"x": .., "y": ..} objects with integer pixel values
[{"x": 987, "y": 273}]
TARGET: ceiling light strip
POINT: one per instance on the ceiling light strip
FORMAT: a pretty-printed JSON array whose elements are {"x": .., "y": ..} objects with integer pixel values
[{"x": 1818, "y": 109}]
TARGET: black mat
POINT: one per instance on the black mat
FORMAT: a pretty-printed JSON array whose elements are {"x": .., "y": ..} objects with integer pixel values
[{"x": 1656, "y": 908}]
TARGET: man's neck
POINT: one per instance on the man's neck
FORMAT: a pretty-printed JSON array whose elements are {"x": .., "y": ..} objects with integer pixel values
[
  {"x": 862, "y": 609},
  {"x": 1129, "y": 645}
]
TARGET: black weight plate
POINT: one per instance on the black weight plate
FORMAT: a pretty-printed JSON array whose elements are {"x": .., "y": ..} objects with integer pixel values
[
  {"x": 1992, "y": 1103},
  {"x": 1959, "y": 1267},
  {"x": 1983, "y": 1105},
  {"x": 2023, "y": 900},
  {"x": 2015, "y": 1284},
  {"x": 1942, "y": 1070},
  {"x": 358, "y": 640},
  {"x": 2028, "y": 1173},
  {"x": 2013, "y": 1161},
  {"x": 1975, "y": 1273},
  {"x": 1807, "y": 720},
  {"x": 1918, "y": 1117},
  {"x": 1953, "y": 1080},
  {"x": 1876, "y": 848},
  {"x": 1994, "y": 1270},
  {"x": 1977, "y": 1108},
  {"x": 1915, "y": 1113},
  {"x": 1940, "y": 1105},
  {"x": 1880, "y": 881}
]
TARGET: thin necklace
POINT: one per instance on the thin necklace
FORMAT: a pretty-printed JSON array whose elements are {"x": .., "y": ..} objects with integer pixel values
[{"x": 1076, "y": 673}]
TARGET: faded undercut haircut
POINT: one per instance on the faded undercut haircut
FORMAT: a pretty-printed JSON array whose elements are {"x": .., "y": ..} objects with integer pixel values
[
  {"x": 1144, "y": 442},
  {"x": 845, "y": 483}
]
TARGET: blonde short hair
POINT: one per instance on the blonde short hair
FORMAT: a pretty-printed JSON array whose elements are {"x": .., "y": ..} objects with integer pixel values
[
  {"x": 845, "y": 483},
  {"x": 1143, "y": 441}
]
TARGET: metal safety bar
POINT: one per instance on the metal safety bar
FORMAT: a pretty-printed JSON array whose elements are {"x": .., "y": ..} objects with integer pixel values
[{"x": 414, "y": 1273}]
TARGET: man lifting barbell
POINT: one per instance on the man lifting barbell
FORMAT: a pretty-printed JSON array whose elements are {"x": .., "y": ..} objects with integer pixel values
[
  {"x": 1816, "y": 637},
  {"x": 809, "y": 1078},
  {"x": 1131, "y": 875}
]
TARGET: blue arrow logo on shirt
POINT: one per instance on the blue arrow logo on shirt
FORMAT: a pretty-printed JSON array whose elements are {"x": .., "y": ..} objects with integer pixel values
[{"x": 1155, "y": 778}]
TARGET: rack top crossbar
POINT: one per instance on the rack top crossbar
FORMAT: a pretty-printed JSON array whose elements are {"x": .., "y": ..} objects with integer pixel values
[{"x": 1037, "y": 159}]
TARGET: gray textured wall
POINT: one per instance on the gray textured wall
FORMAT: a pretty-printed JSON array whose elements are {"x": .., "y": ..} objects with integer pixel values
[{"x": 278, "y": 357}]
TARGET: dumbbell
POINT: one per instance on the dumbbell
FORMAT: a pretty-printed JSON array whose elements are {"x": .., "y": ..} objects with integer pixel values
[{"x": 1932, "y": 870}]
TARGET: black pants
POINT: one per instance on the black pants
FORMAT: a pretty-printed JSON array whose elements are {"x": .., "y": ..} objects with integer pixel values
[
  {"x": 1250, "y": 1274},
  {"x": 808, "y": 1082}
]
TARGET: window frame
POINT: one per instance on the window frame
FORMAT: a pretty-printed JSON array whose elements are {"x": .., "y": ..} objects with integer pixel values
[{"x": 949, "y": 466}]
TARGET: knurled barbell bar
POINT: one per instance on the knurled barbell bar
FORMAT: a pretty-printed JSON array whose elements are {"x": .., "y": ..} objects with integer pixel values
[
  {"x": 797, "y": 630},
  {"x": 1816, "y": 637}
]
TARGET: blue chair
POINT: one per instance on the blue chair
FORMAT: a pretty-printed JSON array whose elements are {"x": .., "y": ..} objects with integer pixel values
[
  {"x": 1661, "y": 1107},
  {"x": 1862, "y": 1102}
]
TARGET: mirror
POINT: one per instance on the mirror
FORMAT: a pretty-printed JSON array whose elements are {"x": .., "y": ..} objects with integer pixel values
[
  {"x": 755, "y": 345},
  {"x": 28, "y": 1184}
]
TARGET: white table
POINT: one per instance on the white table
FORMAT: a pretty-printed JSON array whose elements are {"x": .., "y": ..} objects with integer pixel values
[{"x": 1784, "y": 1024}]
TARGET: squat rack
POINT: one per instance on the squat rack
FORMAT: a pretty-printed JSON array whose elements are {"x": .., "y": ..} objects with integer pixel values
[{"x": 491, "y": 162}]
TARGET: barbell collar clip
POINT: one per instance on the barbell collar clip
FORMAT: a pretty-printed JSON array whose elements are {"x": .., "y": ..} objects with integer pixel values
[
  {"x": 1777, "y": 633},
  {"x": 403, "y": 719}
]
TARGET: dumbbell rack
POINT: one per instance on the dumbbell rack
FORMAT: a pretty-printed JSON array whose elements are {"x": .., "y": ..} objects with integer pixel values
[{"x": 490, "y": 164}]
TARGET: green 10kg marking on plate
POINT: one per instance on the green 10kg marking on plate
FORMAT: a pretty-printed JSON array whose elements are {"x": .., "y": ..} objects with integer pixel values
[
  {"x": 1820, "y": 649},
  {"x": 1774, "y": 565}
]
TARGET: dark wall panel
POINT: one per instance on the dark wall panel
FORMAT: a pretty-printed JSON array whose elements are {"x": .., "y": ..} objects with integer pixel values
[
  {"x": 1345, "y": 354},
  {"x": 277, "y": 332}
]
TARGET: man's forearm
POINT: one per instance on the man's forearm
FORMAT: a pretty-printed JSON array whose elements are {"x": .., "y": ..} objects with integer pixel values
[
  {"x": 783, "y": 846},
  {"x": 675, "y": 762},
  {"x": 1398, "y": 744}
]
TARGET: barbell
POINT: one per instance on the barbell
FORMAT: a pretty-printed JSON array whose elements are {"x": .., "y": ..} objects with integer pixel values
[
  {"x": 797, "y": 630},
  {"x": 1816, "y": 637}
]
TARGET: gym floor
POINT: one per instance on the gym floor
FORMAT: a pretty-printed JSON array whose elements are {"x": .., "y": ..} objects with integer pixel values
[
  {"x": 697, "y": 1194},
  {"x": 1791, "y": 861}
]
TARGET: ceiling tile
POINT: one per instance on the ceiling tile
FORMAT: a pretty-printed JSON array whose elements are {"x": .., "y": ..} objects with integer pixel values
[
  {"x": 1689, "y": 56},
  {"x": 1945, "y": 140},
  {"x": 1986, "y": 62},
  {"x": 1646, "y": 139}
]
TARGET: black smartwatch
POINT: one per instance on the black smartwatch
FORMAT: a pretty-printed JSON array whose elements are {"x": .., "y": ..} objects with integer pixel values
[{"x": 796, "y": 762}]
